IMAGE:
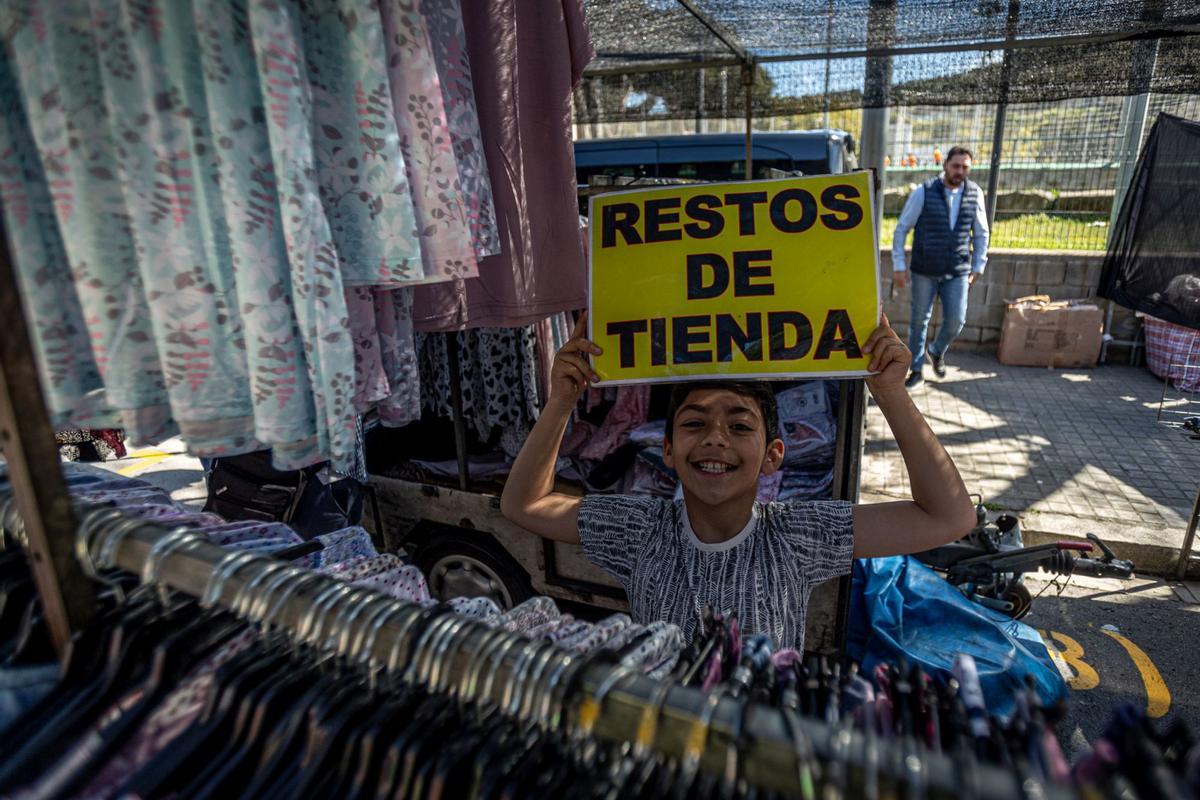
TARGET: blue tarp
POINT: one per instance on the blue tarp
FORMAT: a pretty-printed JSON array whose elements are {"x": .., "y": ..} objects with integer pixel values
[{"x": 901, "y": 607}]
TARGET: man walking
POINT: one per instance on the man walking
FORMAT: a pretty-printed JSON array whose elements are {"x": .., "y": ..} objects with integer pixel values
[{"x": 949, "y": 252}]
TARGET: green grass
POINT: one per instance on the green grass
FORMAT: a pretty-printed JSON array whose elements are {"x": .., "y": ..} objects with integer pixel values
[{"x": 1033, "y": 232}]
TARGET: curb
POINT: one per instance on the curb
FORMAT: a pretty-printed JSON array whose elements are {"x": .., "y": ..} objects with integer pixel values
[{"x": 1153, "y": 551}]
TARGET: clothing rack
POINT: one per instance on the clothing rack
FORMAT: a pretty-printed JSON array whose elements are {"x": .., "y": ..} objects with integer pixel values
[{"x": 767, "y": 751}]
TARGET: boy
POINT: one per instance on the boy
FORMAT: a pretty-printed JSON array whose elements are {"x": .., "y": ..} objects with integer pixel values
[{"x": 720, "y": 547}]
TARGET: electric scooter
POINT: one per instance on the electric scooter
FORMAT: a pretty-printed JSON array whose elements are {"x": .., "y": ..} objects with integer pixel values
[{"x": 988, "y": 564}]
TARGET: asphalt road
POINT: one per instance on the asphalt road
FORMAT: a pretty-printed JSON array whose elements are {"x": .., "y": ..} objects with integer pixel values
[{"x": 1121, "y": 642}]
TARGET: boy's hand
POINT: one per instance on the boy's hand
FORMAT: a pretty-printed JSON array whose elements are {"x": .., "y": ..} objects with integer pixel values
[
  {"x": 572, "y": 372},
  {"x": 890, "y": 359}
]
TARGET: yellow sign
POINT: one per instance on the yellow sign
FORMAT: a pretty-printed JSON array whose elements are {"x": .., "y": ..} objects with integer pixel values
[{"x": 747, "y": 279}]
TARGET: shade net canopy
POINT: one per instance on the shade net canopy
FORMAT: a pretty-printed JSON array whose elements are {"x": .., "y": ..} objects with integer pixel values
[
  {"x": 658, "y": 59},
  {"x": 1153, "y": 260}
]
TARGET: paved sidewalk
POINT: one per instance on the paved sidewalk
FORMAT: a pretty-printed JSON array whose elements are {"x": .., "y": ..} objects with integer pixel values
[
  {"x": 167, "y": 465},
  {"x": 1069, "y": 450}
]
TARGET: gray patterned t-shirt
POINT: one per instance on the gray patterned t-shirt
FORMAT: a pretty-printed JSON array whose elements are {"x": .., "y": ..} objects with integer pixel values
[{"x": 765, "y": 573}]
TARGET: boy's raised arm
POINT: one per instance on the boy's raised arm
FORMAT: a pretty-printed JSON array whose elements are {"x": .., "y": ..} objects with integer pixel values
[
  {"x": 941, "y": 510},
  {"x": 529, "y": 498}
]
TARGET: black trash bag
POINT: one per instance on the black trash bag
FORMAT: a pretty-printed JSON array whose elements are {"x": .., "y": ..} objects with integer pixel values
[{"x": 312, "y": 501}]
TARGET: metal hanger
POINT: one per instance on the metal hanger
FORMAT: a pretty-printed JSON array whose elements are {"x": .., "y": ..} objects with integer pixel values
[
  {"x": 505, "y": 644},
  {"x": 592, "y": 707},
  {"x": 373, "y": 665},
  {"x": 259, "y": 605},
  {"x": 340, "y": 640},
  {"x": 365, "y": 645},
  {"x": 407, "y": 624},
  {"x": 247, "y": 594},
  {"x": 112, "y": 532},
  {"x": 442, "y": 630},
  {"x": 802, "y": 749},
  {"x": 556, "y": 679},
  {"x": 416, "y": 654},
  {"x": 351, "y": 641},
  {"x": 173, "y": 540},
  {"x": 88, "y": 525},
  {"x": 307, "y": 621},
  {"x": 518, "y": 672},
  {"x": 696, "y": 740},
  {"x": 310, "y": 633},
  {"x": 452, "y": 639},
  {"x": 449, "y": 650},
  {"x": 522, "y": 699},
  {"x": 493, "y": 639},
  {"x": 304, "y": 578},
  {"x": 223, "y": 572},
  {"x": 537, "y": 696}
]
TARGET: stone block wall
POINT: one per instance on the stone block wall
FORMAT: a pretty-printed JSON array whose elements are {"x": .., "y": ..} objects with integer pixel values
[{"x": 1062, "y": 274}]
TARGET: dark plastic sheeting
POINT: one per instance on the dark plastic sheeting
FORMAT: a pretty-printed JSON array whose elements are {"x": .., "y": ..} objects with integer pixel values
[{"x": 1153, "y": 261}]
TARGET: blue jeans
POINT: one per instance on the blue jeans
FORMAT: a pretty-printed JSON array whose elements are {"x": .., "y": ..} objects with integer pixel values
[
  {"x": 953, "y": 291},
  {"x": 22, "y": 687}
]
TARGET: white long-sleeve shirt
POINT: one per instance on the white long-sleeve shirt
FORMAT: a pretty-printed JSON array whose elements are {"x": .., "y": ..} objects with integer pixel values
[{"x": 980, "y": 233}]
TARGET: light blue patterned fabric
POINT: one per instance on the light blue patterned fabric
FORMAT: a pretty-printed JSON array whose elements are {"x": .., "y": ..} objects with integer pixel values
[
  {"x": 58, "y": 74},
  {"x": 189, "y": 188},
  {"x": 335, "y": 49},
  {"x": 340, "y": 546}
]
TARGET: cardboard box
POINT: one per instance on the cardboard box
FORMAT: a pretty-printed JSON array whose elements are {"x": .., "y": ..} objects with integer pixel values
[{"x": 1039, "y": 332}]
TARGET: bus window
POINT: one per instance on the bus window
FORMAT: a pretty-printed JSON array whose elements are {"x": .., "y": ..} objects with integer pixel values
[{"x": 582, "y": 174}]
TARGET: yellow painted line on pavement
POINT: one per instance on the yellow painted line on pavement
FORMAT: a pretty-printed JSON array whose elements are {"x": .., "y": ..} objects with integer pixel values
[
  {"x": 1158, "y": 697},
  {"x": 145, "y": 460},
  {"x": 1072, "y": 653},
  {"x": 1056, "y": 656}
]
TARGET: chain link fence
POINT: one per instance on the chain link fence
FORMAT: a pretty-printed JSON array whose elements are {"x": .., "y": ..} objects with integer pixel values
[
  {"x": 1077, "y": 85},
  {"x": 1060, "y": 166}
]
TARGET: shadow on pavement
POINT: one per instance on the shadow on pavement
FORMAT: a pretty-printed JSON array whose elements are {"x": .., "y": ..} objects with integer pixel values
[{"x": 1081, "y": 442}]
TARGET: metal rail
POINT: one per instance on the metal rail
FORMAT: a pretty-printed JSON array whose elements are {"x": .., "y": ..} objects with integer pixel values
[{"x": 766, "y": 751}]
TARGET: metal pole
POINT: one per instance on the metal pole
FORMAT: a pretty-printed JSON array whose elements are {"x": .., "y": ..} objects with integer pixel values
[
  {"x": 997, "y": 150},
  {"x": 456, "y": 408},
  {"x": 1014, "y": 14},
  {"x": 1185, "y": 553},
  {"x": 1141, "y": 73},
  {"x": 828, "y": 60},
  {"x": 748, "y": 83},
  {"x": 27, "y": 439},
  {"x": 700, "y": 77},
  {"x": 877, "y": 79}
]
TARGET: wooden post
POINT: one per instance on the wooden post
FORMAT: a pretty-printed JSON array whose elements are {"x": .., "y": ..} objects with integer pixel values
[
  {"x": 67, "y": 595},
  {"x": 456, "y": 409}
]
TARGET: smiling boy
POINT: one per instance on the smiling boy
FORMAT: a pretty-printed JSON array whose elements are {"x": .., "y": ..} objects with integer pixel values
[{"x": 719, "y": 547}]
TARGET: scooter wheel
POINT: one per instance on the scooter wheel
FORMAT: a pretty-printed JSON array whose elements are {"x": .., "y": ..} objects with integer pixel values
[{"x": 1021, "y": 599}]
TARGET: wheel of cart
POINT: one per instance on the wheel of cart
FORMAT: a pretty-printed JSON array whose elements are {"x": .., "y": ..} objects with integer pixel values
[{"x": 458, "y": 562}]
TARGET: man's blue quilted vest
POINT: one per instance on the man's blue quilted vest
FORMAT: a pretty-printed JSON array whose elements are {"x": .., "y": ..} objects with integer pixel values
[{"x": 937, "y": 250}]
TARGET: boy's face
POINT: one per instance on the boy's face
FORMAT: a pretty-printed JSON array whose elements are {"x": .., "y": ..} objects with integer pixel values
[{"x": 719, "y": 447}]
